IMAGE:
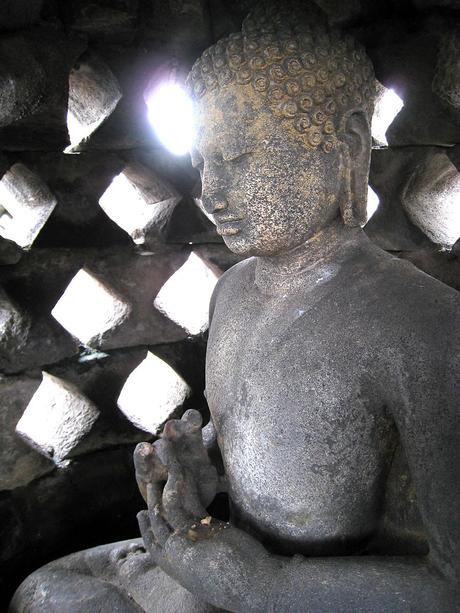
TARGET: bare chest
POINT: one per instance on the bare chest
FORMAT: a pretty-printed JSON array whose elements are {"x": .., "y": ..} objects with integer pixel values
[{"x": 304, "y": 440}]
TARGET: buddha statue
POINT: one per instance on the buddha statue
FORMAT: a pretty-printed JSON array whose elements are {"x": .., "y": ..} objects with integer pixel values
[{"x": 330, "y": 370}]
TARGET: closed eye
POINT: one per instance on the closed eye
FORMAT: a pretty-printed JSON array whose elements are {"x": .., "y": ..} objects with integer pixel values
[{"x": 237, "y": 157}]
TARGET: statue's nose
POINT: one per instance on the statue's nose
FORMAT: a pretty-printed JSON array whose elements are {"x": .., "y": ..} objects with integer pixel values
[{"x": 213, "y": 202}]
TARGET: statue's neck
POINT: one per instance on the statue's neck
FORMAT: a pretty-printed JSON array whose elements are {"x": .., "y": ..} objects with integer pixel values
[{"x": 325, "y": 247}]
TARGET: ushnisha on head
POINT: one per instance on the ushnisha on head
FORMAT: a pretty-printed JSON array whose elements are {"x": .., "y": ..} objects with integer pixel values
[{"x": 288, "y": 81}]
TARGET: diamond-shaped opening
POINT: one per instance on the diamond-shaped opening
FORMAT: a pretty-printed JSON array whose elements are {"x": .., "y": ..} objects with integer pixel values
[
  {"x": 373, "y": 202},
  {"x": 25, "y": 205},
  {"x": 185, "y": 296},
  {"x": 387, "y": 105},
  {"x": 94, "y": 93},
  {"x": 152, "y": 394},
  {"x": 140, "y": 202},
  {"x": 57, "y": 418},
  {"x": 88, "y": 308}
]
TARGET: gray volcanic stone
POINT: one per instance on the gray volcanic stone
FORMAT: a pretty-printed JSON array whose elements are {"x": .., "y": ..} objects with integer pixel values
[
  {"x": 19, "y": 464},
  {"x": 34, "y": 74}
]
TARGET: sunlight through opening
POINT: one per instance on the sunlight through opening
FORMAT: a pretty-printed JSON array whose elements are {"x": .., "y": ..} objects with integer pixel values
[
  {"x": 152, "y": 394},
  {"x": 387, "y": 105}
]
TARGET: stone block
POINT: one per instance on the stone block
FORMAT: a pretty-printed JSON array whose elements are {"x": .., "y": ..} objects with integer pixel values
[
  {"x": 34, "y": 79},
  {"x": 94, "y": 92},
  {"x": 19, "y": 464},
  {"x": 431, "y": 198},
  {"x": 152, "y": 394},
  {"x": 88, "y": 309},
  {"x": 185, "y": 296},
  {"x": 26, "y": 204},
  {"x": 14, "y": 324},
  {"x": 390, "y": 226},
  {"x": 77, "y": 182},
  {"x": 57, "y": 418},
  {"x": 141, "y": 203}
]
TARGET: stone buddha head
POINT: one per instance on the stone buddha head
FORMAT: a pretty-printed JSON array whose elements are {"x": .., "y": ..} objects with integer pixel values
[{"x": 283, "y": 140}]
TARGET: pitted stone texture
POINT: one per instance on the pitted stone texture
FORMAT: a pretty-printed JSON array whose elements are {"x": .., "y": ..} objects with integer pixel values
[
  {"x": 390, "y": 227},
  {"x": 94, "y": 93},
  {"x": 14, "y": 325},
  {"x": 35, "y": 66},
  {"x": 185, "y": 296},
  {"x": 19, "y": 464},
  {"x": 141, "y": 203},
  {"x": 42, "y": 276},
  {"x": 77, "y": 182},
  {"x": 431, "y": 198},
  {"x": 25, "y": 205},
  {"x": 88, "y": 309},
  {"x": 152, "y": 394},
  {"x": 57, "y": 418}
]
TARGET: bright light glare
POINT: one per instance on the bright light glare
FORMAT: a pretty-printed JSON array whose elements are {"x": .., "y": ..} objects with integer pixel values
[
  {"x": 387, "y": 106},
  {"x": 170, "y": 111},
  {"x": 151, "y": 394},
  {"x": 185, "y": 296},
  {"x": 373, "y": 202}
]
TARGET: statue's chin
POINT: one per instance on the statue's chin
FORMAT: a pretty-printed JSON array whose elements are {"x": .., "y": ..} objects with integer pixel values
[{"x": 244, "y": 247}]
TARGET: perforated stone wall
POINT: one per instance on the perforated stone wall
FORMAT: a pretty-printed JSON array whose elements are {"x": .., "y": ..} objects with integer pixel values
[{"x": 107, "y": 263}]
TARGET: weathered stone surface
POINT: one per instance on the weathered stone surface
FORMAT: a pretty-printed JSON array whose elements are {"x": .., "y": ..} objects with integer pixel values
[
  {"x": 10, "y": 253},
  {"x": 390, "y": 226},
  {"x": 35, "y": 73},
  {"x": 90, "y": 308},
  {"x": 57, "y": 417},
  {"x": 93, "y": 500},
  {"x": 141, "y": 203},
  {"x": 94, "y": 93},
  {"x": 77, "y": 182},
  {"x": 14, "y": 325},
  {"x": 26, "y": 204},
  {"x": 446, "y": 82},
  {"x": 186, "y": 295},
  {"x": 431, "y": 198},
  {"x": 19, "y": 464},
  {"x": 441, "y": 265}
]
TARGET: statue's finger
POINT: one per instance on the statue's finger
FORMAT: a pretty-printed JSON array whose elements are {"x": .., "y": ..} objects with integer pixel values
[
  {"x": 193, "y": 420},
  {"x": 148, "y": 467},
  {"x": 158, "y": 524},
  {"x": 148, "y": 537}
]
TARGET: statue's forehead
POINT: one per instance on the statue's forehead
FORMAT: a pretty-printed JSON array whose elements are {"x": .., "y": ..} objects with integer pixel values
[{"x": 231, "y": 116}]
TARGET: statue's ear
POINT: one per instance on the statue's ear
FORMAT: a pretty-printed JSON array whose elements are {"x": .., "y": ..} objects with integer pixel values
[{"x": 355, "y": 139}]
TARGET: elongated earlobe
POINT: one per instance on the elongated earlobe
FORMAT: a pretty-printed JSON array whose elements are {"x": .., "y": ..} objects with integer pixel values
[{"x": 355, "y": 149}]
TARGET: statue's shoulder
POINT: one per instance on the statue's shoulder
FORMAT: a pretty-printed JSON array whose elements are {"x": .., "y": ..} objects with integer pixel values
[
  {"x": 234, "y": 281},
  {"x": 412, "y": 303}
]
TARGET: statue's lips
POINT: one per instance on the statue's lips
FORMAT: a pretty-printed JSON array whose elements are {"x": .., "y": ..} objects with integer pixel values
[{"x": 228, "y": 226}]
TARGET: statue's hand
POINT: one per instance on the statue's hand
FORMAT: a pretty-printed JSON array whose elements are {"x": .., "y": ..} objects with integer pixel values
[
  {"x": 214, "y": 560},
  {"x": 185, "y": 443}
]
